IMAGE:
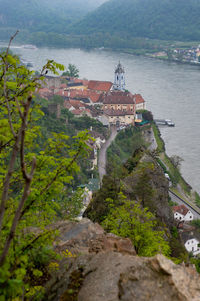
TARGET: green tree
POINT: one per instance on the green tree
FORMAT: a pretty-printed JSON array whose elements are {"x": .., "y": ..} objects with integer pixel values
[
  {"x": 72, "y": 71},
  {"x": 32, "y": 179},
  {"x": 130, "y": 220}
]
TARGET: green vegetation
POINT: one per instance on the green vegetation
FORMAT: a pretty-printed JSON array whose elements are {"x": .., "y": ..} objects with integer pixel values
[
  {"x": 164, "y": 20},
  {"x": 197, "y": 199},
  {"x": 72, "y": 71},
  {"x": 35, "y": 176},
  {"x": 125, "y": 144},
  {"x": 131, "y": 220},
  {"x": 159, "y": 141},
  {"x": 128, "y": 202},
  {"x": 196, "y": 223},
  {"x": 132, "y": 26},
  {"x": 170, "y": 166},
  {"x": 43, "y": 15}
]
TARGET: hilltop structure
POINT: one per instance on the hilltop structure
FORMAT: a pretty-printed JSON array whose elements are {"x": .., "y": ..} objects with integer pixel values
[{"x": 119, "y": 82}]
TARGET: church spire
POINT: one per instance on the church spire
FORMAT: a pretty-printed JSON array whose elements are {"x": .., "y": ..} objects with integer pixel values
[{"x": 119, "y": 83}]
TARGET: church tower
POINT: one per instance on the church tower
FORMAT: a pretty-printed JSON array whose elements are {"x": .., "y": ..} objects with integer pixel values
[{"x": 119, "y": 83}]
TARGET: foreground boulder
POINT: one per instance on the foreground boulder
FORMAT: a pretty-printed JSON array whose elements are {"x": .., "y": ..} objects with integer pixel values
[
  {"x": 104, "y": 267},
  {"x": 114, "y": 276}
]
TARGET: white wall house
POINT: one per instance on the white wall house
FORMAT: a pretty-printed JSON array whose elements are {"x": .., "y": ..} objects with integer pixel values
[
  {"x": 193, "y": 245},
  {"x": 182, "y": 213}
]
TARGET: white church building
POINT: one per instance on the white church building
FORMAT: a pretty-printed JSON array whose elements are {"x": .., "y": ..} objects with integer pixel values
[{"x": 119, "y": 81}]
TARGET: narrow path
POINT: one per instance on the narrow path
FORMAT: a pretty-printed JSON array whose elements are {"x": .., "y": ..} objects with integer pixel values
[{"x": 102, "y": 153}]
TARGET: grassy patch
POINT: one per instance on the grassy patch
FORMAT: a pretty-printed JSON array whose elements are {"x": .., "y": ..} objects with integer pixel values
[
  {"x": 167, "y": 165},
  {"x": 197, "y": 199},
  {"x": 159, "y": 140}
]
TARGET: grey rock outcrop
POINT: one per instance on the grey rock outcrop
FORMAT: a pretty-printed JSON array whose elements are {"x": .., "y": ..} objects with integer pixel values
[
  {"x": 86, "y": 237},
  {"x": 106, "y": 268},
  {"x": 112, "y": 276}
]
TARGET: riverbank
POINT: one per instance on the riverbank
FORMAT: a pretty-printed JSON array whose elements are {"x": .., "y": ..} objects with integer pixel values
[
  {"x": 121, "y": 147},
  {"x": 179, "y": 185}
]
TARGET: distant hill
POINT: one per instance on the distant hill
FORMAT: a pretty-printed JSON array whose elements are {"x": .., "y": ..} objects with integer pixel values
[
  {"x": 156, "y": 19},
  {"x": 44, "y": 15}
]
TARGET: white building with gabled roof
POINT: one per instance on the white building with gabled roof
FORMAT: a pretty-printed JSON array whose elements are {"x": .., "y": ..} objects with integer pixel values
[
  {"x": 191, "y": 242},
  {"x": 182, "y": 213}
]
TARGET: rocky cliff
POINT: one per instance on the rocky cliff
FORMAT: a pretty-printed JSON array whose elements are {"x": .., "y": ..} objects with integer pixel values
[{"x": 105, "y": 267}]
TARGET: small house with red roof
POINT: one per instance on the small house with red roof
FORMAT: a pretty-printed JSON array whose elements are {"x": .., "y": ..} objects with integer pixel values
[{"x": 182, "y": 213}]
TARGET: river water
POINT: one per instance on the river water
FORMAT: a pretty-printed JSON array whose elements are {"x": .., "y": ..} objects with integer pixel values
[{"x": 171, "y": 91}]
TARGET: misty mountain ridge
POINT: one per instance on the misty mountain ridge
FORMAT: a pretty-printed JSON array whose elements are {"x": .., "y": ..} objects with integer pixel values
[
  {"x": 90, "y": 23},
  {"x": 166, "y": 19},
  {"x": 44, "y": 15}
]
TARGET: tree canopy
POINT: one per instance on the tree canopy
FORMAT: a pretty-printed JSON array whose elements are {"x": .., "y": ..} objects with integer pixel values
[
  {"x": 137, "y": 223},
  {"x": 34, "y": 177},
  {"x": 72, "y": 71}
]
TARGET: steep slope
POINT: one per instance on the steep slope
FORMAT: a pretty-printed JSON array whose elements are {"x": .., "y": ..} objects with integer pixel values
[
  {"x": 44, "y": 15},
  {"x": 166, "y": 19}
]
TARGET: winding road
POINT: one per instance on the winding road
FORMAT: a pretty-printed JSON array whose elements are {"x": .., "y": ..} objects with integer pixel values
[{"x": 102, "y": 153}]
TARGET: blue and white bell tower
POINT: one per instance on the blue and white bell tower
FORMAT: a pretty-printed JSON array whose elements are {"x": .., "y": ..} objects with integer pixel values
[{"x": 119, "y": 83}]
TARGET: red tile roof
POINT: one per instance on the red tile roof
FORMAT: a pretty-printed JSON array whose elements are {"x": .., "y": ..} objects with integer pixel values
[
  {"x": 79, "y": 94},
  {"x": 119, "y": 98},
  {"x": 67, "y": 104},
  {"x": 81, "y": 111},
  {"x": 102, "y": 86},
  {"x": 83, "y": 81},
  {"x": 63, "y": 86},
  {"x": 182, "y": 209},
  {"x": 45, "y": 92},
  {"x": 138, "y": 99},
  {"x": 77, "y": 112},
  {"x": 76, "y": 104}
]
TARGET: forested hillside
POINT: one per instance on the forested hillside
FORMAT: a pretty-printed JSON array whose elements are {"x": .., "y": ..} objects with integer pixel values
[
  {"x": 43, "y": 15},
  {"x": 166, "y": 19}
]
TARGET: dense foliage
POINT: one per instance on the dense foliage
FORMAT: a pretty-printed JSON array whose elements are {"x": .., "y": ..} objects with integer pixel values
[
  {"x": 137, "y": 26},
  {"x": 132, "y": 221},
  {"x": 43, "y": 15},
  {"x": 167, "y": 19},
  {"x": 133, "y": 189},
  {"x": 35, "y": 173}
]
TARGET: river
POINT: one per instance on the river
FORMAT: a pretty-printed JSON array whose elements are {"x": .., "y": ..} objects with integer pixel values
[{"x": 171, "y": 91}]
